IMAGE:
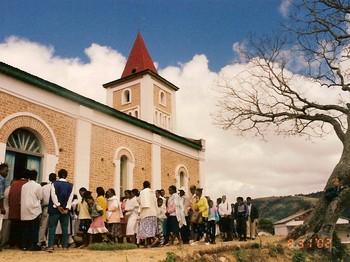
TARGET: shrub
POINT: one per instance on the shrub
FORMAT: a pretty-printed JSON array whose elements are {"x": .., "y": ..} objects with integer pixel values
[
  {"x": 266, "y": 225},
  {"x": 170, "y": 257},
  {"x": 240, "y": 255},
  {"x": 108, "y": 247},
  {"x": 299, "y": 256},
  {"x": 255, "y": 246},
  {"x": 274, "y": 250}
]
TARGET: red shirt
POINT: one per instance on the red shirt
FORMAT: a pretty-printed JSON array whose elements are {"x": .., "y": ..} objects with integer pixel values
[{"x": 15, "y": 199}]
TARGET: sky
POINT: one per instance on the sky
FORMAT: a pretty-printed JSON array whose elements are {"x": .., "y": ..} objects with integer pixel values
[{"x": 81, "y": 45}]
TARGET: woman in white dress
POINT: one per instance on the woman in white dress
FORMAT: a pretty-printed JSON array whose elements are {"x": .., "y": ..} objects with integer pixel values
[{"x": 132, "y": 210}]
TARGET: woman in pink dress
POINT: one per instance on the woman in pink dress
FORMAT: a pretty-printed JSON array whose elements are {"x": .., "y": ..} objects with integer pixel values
[{"x": 97, "y": 225}]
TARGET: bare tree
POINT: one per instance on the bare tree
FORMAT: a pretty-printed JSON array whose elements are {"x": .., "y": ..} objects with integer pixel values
[{"x": 298, "y": 83}]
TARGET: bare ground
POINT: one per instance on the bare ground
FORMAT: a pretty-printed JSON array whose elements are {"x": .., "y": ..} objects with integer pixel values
[{"x": 184, "y": 253}]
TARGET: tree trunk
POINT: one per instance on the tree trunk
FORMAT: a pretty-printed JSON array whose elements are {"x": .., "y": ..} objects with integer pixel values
[{"x": 320, "y": 224}]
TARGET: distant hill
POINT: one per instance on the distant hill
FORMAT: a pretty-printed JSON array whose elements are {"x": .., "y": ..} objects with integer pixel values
[{"x": 276, "y": 208}]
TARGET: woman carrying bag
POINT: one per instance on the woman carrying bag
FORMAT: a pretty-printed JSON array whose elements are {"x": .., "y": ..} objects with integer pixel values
[{"x": 200, "y": 204}]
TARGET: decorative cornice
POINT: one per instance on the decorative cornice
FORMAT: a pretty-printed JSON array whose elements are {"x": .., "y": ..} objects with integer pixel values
[{"x": 139, "y": 74}]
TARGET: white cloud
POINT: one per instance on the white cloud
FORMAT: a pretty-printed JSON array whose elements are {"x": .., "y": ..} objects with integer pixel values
[
  {"x": 284, "y": 7},
  {"x": 234, "y": 165},
  {"x": 104, "y": 65}
]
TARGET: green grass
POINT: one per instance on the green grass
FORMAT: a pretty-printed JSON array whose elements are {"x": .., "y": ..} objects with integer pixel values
[{"x": 110, "y": 247}]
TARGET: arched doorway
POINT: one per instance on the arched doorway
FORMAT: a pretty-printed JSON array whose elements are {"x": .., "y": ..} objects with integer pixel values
[{"x": 23, "y": 151}]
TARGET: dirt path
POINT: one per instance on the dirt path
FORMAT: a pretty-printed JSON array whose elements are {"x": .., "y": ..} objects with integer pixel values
[{"x": 135, "y": 255}]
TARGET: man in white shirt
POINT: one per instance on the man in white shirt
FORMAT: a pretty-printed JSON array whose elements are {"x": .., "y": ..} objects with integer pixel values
[
  {"x": 31, "y": 197},
  {"x": 224, "y": 213},
  {"x": 185, "y": 230},
  {"x": 45, "y": 216}
]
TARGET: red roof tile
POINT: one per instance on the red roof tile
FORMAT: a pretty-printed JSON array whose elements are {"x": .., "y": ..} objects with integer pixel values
[{"x": 139, "y": 59}]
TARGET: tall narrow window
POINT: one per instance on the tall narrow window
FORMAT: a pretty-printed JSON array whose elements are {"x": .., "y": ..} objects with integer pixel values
[
  {"x": 160, "y": 119},
  {"x": 168, "y": 124},
  {"x": 182, "y": 179},
  {"x": 162, "y": 98},
  {"x": 156, "y": 117},
  {"x": 123, "y": 174},
  {"x": 126, "y": 96},
  {"x": 181, "y": 176}
]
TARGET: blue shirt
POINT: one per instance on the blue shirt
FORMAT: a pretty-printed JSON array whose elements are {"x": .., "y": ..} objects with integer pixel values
[{"x": 2, "y": 187}]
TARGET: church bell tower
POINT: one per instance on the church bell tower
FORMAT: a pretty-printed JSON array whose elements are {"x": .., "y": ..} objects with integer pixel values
[{"x": 141, "y": 92}]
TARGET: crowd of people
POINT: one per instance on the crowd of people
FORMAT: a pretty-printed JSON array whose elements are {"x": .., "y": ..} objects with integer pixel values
[{"x": 43, "y": 216}]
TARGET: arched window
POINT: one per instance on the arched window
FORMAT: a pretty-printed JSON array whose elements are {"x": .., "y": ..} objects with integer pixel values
[
  {"x": 156, "y": 117},
  {"x": 169, "y": 126},
  {"x": 162, "y": 98},
  {"x": 23, "y": 151},
  {"x": 136, "y": 114},
  {"x": 124, "y": 170},
  {"x": 126, "y": 96},
  {"x": 182, "y": 178},
  {"x": 165, "y": 122},
  {"x": 123, "y": 174},
  {"x": 160, "y": 119}
]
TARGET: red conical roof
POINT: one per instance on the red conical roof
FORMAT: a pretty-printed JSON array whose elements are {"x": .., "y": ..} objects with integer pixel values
[{"x": 139, "y": 59}]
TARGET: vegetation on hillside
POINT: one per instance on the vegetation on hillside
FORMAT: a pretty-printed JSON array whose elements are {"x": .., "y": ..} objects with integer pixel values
[{"x": 278, "y": 207}]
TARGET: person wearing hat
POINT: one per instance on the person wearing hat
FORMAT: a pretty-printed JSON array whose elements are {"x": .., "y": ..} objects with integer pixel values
[{"x": 185, "y": 230}]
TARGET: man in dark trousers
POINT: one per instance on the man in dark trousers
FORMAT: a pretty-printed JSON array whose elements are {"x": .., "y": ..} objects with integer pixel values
[
  {"x": 31, "y": 197},
  {"x": 59, "y": 205},
  {"x": 241, "y": 215},
  {"x": 252, "y": 219},
  {"x": 16, "y": 236}
]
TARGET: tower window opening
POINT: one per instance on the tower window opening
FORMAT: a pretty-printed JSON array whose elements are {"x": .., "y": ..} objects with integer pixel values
[
  {"x": 162, "y": 98},
  {"x": 126, "y": 96}
]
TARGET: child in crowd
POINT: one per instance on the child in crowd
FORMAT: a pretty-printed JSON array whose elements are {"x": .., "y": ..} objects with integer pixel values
[
  {"x": 102, "y": 201},
  {"x": 160, "y": 217},
  {"x": 97, "y": 225},
  {"x": 73, "y": 218},
  {"x": 213, "y": 217},
  {"x": 84, "y": 218}
]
